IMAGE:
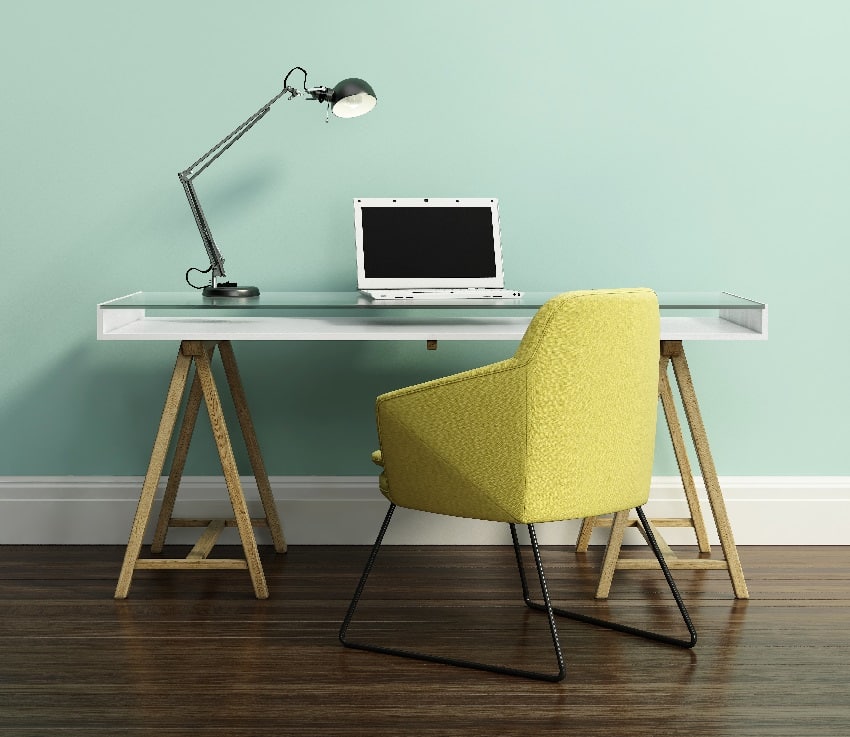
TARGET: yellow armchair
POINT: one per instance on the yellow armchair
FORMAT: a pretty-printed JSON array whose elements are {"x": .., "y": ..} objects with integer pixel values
[{"x": 564, "y": 429}]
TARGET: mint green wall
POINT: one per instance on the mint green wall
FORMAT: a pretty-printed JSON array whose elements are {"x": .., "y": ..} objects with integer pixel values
[{"x": 677, "y": 145}]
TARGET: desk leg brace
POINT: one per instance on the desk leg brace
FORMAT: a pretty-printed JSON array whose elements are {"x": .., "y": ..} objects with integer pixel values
[
  {"x": 203, "y": 387},
  {"x": 673, "y": 352},
  {"x": 676, "y": 352}
]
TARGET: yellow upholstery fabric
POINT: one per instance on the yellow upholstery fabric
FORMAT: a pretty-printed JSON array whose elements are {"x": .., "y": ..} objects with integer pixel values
[{"x": 564, "y": 429}]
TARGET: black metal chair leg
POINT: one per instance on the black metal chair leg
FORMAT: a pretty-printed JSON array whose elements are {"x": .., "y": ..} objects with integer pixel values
[
  {"x": 546, "y": 606},
  {"x": 657, "y": 637},
  {"x": 362, "y": 583}
]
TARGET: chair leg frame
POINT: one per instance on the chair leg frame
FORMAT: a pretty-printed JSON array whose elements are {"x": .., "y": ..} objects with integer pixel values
[
  {"x": 455, "y": 661},
  {"x": 646, "y": 634},
  {"x": 545, "y": 606}
]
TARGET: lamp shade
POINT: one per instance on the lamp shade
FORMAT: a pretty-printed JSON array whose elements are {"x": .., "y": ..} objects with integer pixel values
[{"x": 352, "y": 97}]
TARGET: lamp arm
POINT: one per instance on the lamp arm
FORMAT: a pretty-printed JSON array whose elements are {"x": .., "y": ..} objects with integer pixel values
[
  {"x": 188, "y": 175},
  {"x": 215, "y": 257}
]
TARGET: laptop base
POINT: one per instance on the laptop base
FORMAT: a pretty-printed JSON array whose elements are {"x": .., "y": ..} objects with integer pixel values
[{"x": 439, "y": 294}]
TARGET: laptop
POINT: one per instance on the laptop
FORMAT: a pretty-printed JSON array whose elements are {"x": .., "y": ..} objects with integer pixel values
[{"x": 429, "y": 248}]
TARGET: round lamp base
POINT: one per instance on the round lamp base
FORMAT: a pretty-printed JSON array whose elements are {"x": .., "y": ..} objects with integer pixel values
[{"x": 230, "y": 289}]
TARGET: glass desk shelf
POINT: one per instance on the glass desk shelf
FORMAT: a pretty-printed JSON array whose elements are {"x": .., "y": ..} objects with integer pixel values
[{"x": 352, "y": 316}]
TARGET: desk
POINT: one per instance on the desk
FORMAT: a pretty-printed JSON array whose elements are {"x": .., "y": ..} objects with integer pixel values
[{"x": 203, "y": 325}]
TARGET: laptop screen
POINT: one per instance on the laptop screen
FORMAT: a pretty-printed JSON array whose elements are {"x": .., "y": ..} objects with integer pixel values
[{"x": 427, "y": 243}]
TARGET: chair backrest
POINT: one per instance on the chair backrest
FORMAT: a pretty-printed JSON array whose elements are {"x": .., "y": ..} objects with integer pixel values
[{"x": 591, "y": 369}]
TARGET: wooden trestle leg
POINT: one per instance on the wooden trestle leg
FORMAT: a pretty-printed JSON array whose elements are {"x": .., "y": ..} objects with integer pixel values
[
  {"x": 203, "y": 387},
  {"x": 673, "y": 352}
]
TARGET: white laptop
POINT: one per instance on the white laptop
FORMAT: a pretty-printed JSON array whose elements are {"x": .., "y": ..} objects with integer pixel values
[{"x": 429, "y": 248}]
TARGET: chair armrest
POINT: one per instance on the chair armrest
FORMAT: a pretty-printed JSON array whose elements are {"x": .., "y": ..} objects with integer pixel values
[
  {"x": 456, "y": 445},
  {"x": 492, "y": 368}
]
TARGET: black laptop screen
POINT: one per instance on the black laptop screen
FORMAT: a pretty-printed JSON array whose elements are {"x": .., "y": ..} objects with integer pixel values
[{"x": 428, "y": 242}]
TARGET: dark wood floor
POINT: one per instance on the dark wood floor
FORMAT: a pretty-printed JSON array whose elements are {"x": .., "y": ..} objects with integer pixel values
[{"x": 196, "y": 654}]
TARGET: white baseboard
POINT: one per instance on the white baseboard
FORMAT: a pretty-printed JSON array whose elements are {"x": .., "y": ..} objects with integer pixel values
[{"x": 317, "y": 510}]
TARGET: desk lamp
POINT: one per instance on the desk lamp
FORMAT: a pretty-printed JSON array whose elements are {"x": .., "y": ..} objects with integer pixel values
[{"x": 348, "y": 99}]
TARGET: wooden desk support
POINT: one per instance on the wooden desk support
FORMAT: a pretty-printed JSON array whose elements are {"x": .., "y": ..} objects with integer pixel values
[
  {"x": 203, "y": 387},
  {"x": 673, "y": 352},
  {"x": 346, "y": 316}
]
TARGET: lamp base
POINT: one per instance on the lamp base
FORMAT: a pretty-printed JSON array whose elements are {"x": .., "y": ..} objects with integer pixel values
[{"x": 230, "y": 289}]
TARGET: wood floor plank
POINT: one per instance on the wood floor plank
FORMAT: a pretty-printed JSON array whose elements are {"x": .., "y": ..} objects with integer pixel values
[{"x": 193, "y": 653}]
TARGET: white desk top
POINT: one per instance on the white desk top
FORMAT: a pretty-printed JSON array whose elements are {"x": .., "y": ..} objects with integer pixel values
[{"x": 350, "y": 316}]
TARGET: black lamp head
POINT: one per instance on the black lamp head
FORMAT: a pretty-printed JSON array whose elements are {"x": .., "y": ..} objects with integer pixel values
[{"x": 348, "y": 99}]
